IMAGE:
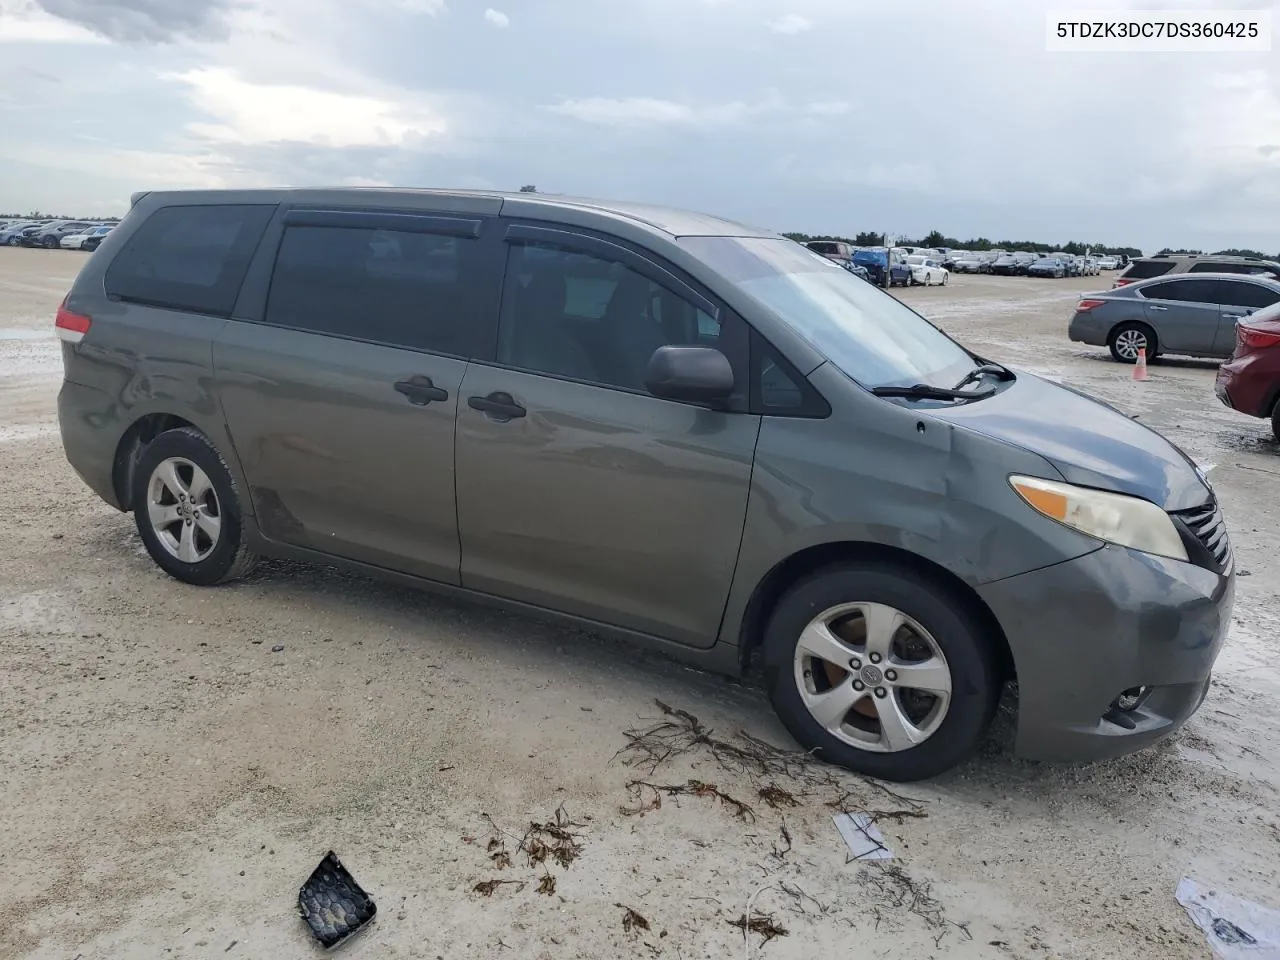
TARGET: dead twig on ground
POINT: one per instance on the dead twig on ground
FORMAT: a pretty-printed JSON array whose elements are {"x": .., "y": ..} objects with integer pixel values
[
  {"x": 782, "y": 851},
  {"x": 681, "y": 734},
  {"x": 632, "y": 920},
  {"x": 693, "y": 788},
  {"x": 762, "y": 924},
  {"x": 486, "y": 888}
]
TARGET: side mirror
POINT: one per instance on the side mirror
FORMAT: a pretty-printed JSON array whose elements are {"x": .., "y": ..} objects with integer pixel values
[{"x": 691, "y": 374}]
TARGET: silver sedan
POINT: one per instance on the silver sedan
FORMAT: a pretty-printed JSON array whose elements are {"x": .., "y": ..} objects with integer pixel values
[{"x": 1193, "y": 314}]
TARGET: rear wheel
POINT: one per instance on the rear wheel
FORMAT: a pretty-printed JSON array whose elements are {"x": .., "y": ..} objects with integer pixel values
[
  {"x": 880, "y": 670},
  {"x": 51, "y": 243},
  {"x": 1275, "y": 421},
  {"x": 1128, "y": 338},
  {"x": 187, "y": 509}
]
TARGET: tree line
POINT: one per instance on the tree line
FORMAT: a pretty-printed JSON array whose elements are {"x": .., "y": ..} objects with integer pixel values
[
  {"x": 936, "y": 239},
  {"x": 37, "y": 215}
]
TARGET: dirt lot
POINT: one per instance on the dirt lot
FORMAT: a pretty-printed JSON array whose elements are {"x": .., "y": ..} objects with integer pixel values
[{"x": 169, "y": 781}]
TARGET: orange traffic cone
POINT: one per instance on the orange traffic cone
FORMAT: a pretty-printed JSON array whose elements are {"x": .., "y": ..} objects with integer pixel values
[{"x": 1140, "y": 368}]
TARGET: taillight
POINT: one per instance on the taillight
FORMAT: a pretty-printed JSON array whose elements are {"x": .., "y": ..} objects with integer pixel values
[
  {"x": 1256, "y": 339},
  {"x": 70, "y": 326},
  {"x": 1120, "y": 282},
  {"x": 1084, "y": 306}
]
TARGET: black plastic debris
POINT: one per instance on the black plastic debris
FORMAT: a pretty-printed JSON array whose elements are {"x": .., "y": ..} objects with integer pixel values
[{"x": 333, "y": 904}]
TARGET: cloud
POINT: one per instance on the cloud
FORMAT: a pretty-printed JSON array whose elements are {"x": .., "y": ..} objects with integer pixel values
[
  {"x": 246, "y": 113},
  {"x": 155, "y": 21},
  {"x": 647, "y": 111},
  {"x": 828, "y": 108},
  {"x": 432, "y": 8},
  {"x": 790, "y": 24},
  {"x": 497, "y": 18},
  {"x": 21, "y": 21}
]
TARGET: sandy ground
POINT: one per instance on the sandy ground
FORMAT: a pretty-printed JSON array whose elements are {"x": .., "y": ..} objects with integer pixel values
[{"x": 168, "y": 781}]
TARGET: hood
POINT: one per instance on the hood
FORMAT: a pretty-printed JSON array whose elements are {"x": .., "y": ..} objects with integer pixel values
[{"x": 1090, "y": 442}]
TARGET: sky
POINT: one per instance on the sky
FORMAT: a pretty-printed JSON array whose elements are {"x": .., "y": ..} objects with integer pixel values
[{"x": 820, "y": 116}]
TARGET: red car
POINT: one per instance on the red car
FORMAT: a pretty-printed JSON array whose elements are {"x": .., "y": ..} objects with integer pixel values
[{"x": 1250, "y": 380}]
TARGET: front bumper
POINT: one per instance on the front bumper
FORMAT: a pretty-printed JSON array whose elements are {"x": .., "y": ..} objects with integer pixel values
[{"x": 1084, "y": 631}]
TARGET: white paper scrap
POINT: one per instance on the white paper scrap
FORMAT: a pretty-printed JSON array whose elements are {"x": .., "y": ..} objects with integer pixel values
[
  {"x": 862, "y": 837},
  {"x": 1237, "y": 929}
]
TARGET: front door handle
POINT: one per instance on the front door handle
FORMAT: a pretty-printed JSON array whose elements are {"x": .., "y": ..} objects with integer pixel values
[
  {"x": 420, "y": 390},
  {"x": 499, "y": 405},
  {"x": 1155, "y": 307}
]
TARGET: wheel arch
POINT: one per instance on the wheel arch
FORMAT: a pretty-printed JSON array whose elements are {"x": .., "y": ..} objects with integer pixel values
[
  {"x": 129, "y": 450},
  {"x": 785, "y": 574}
]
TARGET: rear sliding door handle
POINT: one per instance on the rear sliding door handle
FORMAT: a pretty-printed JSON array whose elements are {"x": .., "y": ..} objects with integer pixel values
[
  {"x": 499, "y": 405},
  {"x": 420, "y": 390}
]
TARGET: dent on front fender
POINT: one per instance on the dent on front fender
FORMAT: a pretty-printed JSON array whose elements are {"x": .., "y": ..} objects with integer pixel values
[{"x": 885, "y": 474}]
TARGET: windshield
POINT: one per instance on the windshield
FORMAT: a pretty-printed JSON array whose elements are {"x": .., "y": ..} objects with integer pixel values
[{"x": 868, "y": 334}]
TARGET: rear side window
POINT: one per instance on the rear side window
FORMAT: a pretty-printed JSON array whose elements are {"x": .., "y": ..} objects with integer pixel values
[
  {"x": 387, "y": 286},
  {"x": 1206, "y": 267},
  {"x": 189, "y": 258},
  {"x": 822, "y": 246},
  {"x": 1187, "y": 291},
  {"x": 1237, "y": 293},
  {"x": 1146, "y": 269}
]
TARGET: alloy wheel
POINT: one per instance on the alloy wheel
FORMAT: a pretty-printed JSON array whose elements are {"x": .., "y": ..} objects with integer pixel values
[
  {"x": 1129, "y": 342},
  {"x": 872, "y": 677},
  {"x": 183, "y": 509}
]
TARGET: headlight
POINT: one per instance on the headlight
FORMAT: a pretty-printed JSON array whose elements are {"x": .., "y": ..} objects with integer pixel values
[{"x": 1113, "y": 517}]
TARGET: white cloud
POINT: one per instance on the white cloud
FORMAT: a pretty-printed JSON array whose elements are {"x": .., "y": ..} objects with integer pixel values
[
  {"x": 497, "y": 18},
  {"x": 249, "y": 113},
  {"x": 647, "y": 111},
  {"x": 431, "y": 8},
  {"x": 23, "y": 22},
  {"x": 791, "y": 24},
  {"x": 829, "y": 108}
]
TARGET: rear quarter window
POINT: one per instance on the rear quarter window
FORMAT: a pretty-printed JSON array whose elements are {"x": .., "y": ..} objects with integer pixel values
[
  {"x": 1146, "y": 269},
  {"x": 190, "y": 258}
]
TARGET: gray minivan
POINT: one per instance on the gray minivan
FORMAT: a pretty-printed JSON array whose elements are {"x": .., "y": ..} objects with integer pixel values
[{"x": 683, "y": 431}]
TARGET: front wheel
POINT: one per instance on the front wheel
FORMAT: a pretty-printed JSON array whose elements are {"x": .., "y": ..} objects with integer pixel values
[
  {"x": 1275, "y": 421},
  {"x": 187, "y": 509},
  {"x": 51, "y": 243},
  {"x": 881, "y": 670},
  {"x": 945, "y": 278}
]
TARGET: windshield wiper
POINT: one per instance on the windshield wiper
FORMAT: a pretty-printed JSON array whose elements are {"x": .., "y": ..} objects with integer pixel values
[
  {"x": 977, "y": 373},
  {"x": 923, "y": 391}
]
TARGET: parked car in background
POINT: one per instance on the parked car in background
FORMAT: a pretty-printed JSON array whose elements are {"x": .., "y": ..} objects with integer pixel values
[
  {"x": 1250, "y": 381},
  {"x": 1191, "y": 315},
  {"x": 85, "y": 240},
  {"x": 927, "y": 272},
  {"x": 1022, "y": 261},
  {"x": 1005, "y": 265},
  {"x": 833, "y": 250},
  {"x": 886, "y": 265},
  {"x": 50, "y": 234},
  {"x": 785, "y": 468},
  {"x": 10, "y": 235},
  {"x": 1047, "y": 267},
  {"x": 1107, "y": 263},
  {"x": 858, "y": 270},
  {"x": 972, "y": 263},
  {"x": 1145, "y": 268}
]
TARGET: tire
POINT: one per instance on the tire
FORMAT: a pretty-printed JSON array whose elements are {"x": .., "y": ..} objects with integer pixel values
[
  {"x": 1131, "y": 332},
  {"x": 1275, "y": 421},
  {"x": 945, "y": 278},
  {"x": 208, "y": 560},
  {"x": 948, "y": 731},
  {"x": 51, "y": 243}
]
